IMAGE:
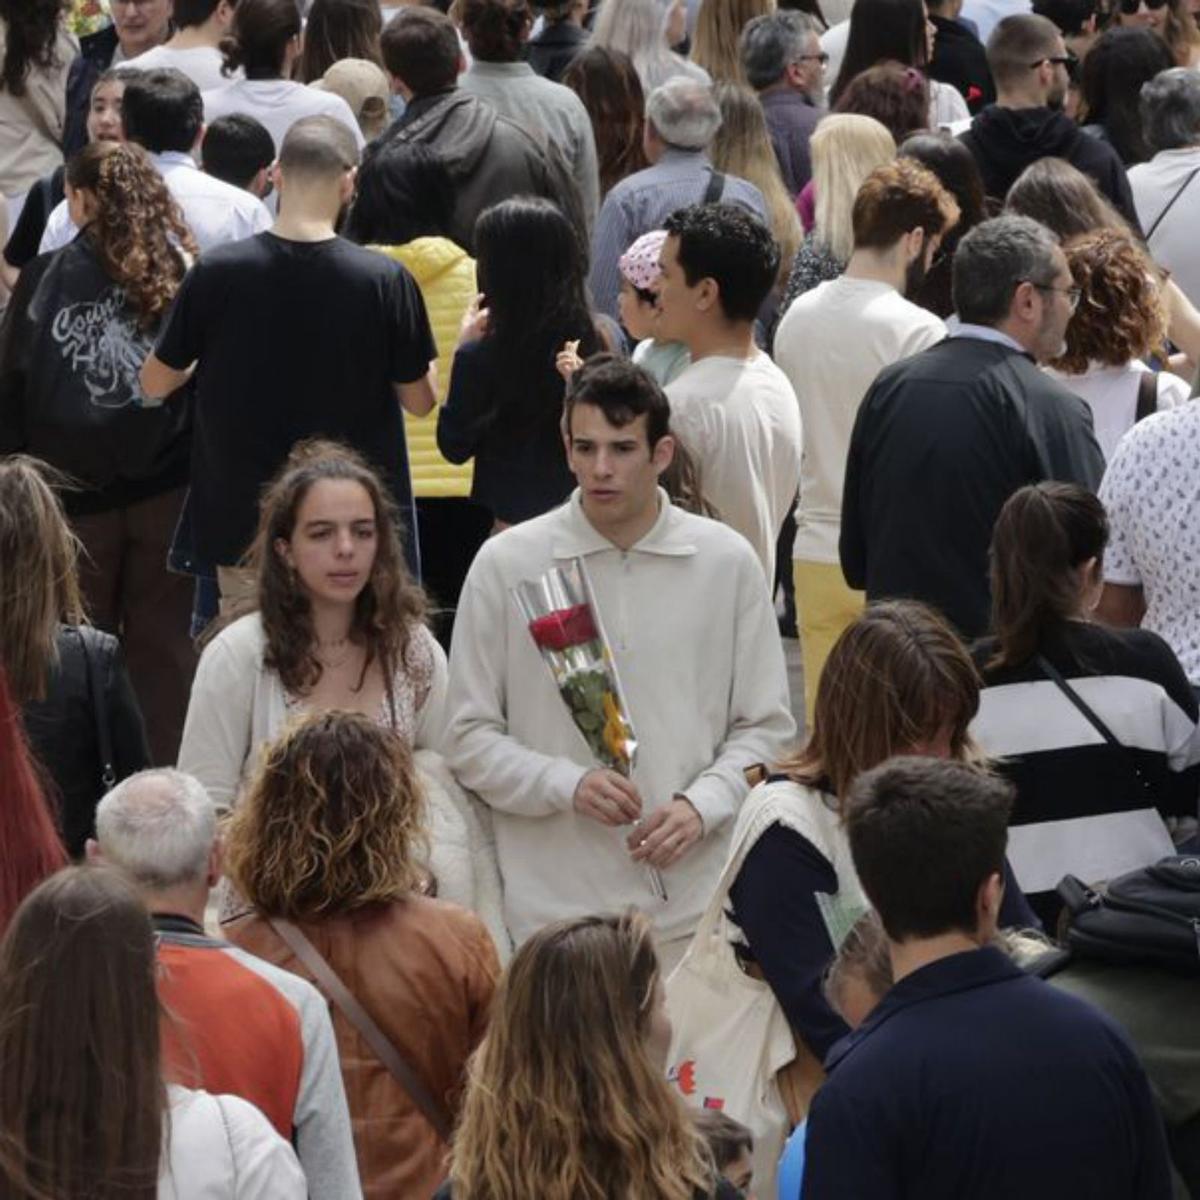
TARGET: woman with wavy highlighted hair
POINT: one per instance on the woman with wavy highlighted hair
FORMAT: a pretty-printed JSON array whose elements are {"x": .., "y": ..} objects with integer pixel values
[
  {"x": 325, "y": 846},
  {"x": 82, "y": 321},
  {"x": 1121, "y": 320},
  {"x": 567, "y": 1097}
]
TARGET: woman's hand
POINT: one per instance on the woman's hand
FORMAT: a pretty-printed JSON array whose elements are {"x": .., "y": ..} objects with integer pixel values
[
  {"x": 567, "y": 361},
  {"x": 475, "y": 321}
]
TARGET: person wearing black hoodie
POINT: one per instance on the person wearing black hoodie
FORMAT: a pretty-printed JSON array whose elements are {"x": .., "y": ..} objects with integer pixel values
[{"x": 1030, "y": 65}]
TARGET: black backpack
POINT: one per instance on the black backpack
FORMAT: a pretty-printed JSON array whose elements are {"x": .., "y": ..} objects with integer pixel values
[{"x": 1148, "y": 916}]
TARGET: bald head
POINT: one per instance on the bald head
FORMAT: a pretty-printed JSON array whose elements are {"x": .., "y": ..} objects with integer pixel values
[
  {"x": 159, "y": 827},
  {"x": 318, "y": 148}
]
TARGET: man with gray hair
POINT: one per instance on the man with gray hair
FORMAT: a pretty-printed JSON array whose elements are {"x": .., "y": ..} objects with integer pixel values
[
  {"x": 944, "y": 438},
  {"x": 785, "y": 65},
  {"x": 682, "y": 118},
  {"x": 238, "y": 1025},
  {"x": 1166, "y": 191}
]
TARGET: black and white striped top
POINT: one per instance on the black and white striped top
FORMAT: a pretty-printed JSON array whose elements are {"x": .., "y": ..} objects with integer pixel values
[{"x": 1081, "y": 807}]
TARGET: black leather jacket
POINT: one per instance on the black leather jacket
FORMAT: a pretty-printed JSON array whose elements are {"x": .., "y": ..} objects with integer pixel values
[{"x": 64, "y": 729}]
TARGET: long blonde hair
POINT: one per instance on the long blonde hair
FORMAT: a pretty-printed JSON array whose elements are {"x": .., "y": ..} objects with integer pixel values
[
  {"x": 1180, "y": 32},
  {"x": 716, "y": 44},
  {"x": 563, "y": 1101},
  {"x": 743, "y": 147},
  {"x": 39, "y": 581},
  {"x": 846, "y": 148}
]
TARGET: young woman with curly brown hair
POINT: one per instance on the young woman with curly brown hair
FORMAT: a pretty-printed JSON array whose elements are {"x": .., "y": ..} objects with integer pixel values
[
  {"x": 567, "y": 1097},
  {"x": 82, "y": 320},
  {"x": 338, "y": 623},
  {"x": 1121, "y": 320},
  {"x": 325, "y": 846}
]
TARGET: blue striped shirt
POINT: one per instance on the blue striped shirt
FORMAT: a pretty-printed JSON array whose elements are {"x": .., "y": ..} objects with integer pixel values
[{"x": 643, "y": 201}]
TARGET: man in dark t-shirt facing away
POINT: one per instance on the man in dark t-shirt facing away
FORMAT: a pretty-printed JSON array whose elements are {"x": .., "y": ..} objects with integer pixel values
[{"x": 294, "y": 333}]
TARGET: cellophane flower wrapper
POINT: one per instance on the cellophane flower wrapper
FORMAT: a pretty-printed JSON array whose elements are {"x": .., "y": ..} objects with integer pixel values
[
  {"x": 564, "y": 621},
  {"x": 87, "y": 16}
]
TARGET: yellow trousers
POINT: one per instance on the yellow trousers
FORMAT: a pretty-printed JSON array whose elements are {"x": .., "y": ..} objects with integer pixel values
[{"x": 824, "y": 607}]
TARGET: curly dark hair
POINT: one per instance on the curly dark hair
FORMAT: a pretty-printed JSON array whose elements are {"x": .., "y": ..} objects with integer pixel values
[
  {"x": 386, "y": 611},
  {"x": 138, "y": 228},
  {"x": 30, "y": 33},
  {"x": 1121, "y": 315}
]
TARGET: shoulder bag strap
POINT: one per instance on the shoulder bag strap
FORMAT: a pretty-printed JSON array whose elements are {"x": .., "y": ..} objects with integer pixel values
[
  {"x": 95, "y": 681},
  {"x": 1147, "y": 395},
  {"x": 1107, "y": 734},
  {"x": 1171, "y": 203},
  {"x": 362, "y": 1020},
  {"x": 715, "y": 189}
]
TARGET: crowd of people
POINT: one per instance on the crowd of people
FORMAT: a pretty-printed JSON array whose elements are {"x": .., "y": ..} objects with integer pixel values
[{"x": 846, "y": 342}]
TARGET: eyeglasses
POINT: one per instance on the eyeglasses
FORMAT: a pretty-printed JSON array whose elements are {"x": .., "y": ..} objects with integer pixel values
[
  {"x": 1058, "y": 60},
  {"x": 1072, "y": 293},
  {"x": 822, "y": 58}
]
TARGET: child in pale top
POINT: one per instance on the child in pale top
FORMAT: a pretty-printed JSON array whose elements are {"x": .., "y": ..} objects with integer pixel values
[{"x": 637, "y": 305}]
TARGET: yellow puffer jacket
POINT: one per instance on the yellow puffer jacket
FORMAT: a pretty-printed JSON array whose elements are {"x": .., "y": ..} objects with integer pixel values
[{"x": 445, "y": 273}]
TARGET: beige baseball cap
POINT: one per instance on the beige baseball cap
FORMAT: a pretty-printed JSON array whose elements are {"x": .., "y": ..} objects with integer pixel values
[{"x": 364, "y": 87}]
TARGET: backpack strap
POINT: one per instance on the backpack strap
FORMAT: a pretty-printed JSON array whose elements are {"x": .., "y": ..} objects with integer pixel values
[
  {"x": 715, "y": 189},
  {"x": 1147, "y": 395},
  {"x": 384, "y": 1049}
]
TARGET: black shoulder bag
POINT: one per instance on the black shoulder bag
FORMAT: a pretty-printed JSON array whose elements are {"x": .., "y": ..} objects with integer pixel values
[{"x": 96, "y": 671}]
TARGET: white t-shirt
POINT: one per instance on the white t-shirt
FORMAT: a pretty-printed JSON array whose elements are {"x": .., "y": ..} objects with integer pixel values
[
  {"x": 1151, "y": 491},
  {"x": 223, "y": 1148},
  {"x": 201, "y": 64},
  {"x": 831, "y": 343},
  {"x": 216, "y": 212},
  {"x": 1111, "y": 393},
  {"x": 278, "y": 104},
  {"x": 1173, "y": 244},
  {"x": 740, "y": 421}
]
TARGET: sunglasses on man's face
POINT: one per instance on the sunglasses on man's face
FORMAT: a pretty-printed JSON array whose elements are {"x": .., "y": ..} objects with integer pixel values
[
  {"x": 1129, "y": 7},
  {"x": 1067, "y": 61}
]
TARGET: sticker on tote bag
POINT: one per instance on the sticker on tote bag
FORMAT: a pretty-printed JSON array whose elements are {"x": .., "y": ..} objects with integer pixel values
[{"x": 684, "y": 1076}]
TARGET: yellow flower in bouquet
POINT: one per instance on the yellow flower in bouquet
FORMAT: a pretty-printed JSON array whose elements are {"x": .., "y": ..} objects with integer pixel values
[{"x": 86, "y": 16}]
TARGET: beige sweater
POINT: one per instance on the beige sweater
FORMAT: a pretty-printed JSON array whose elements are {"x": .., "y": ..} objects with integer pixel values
[{"x": 31, "y": 125}]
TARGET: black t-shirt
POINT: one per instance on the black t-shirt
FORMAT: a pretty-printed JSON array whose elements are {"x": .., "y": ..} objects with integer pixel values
[
  {"x": 293, "y": 340},
  {"x": 26, "y": 236}
]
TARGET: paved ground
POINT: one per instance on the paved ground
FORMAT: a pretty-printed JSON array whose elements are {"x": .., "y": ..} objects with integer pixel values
[{"x": 795, "y": 670}]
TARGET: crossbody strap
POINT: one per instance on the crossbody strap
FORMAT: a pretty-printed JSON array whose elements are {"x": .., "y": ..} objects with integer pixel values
[
  {"x": 95, "y": 682},
  {"x": 1147, "y": 395},
  {"x": 1107, "y": 734},
  {"x": 327, "y": 979},
  {"x": 1171, "y": 203}
]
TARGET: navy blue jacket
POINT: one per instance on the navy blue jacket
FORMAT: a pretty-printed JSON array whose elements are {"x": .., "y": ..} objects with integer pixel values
[{"x": 973, "y": 1079}]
